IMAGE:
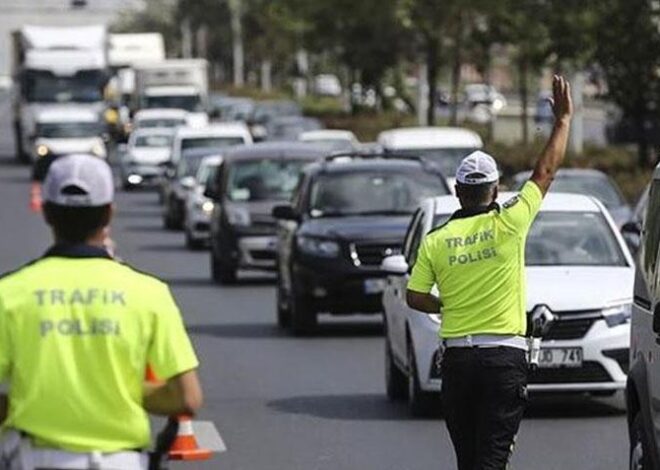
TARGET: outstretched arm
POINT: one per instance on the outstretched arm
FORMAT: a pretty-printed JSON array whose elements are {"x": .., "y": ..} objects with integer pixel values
[{"x": 553, "y": 154}]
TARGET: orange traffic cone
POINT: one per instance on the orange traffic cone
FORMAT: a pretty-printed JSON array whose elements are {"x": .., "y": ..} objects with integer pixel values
[
  {"x": 185, "y": 445},
  {"x": 35, "y": 197}
]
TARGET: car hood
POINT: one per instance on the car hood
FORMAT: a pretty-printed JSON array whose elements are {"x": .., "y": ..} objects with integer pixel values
[
  {"x": 578, "y": 288},
  {"x": 150, "y": 155},
  {"x": 73, "y": 145},
  {"x": 362, "y": 228}
]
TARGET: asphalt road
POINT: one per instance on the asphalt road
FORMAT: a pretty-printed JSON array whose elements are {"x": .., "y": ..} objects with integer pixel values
[{"x": 302, "y": 404}]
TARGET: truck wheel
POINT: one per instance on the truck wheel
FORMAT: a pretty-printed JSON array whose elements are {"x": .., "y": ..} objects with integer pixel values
[
  {"x": 21, "y": 156},
  {"x": 640, "y": 455},
  {"x": 421, "y": 403},
  {"x": 396, "y": 382},
  {"x": 303, "y": 316},
  {"x": 222, "y": 272}
]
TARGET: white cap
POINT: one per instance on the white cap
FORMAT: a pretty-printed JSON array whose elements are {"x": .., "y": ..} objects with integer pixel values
[
  {"x": 79, "y": 181},
  {"x": 477, "y": 168}
]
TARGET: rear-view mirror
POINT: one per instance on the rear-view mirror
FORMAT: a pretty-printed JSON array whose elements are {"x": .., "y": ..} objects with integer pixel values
[
  {"x": 395, "y": 265},
  {"x": 285, "y": 212},
  {"x": 632, "y": 228},
  {"x": 187, "y": 182}
]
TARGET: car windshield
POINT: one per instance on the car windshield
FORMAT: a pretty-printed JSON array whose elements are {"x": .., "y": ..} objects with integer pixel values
[
  {"x": 156, "y": 140},
  {"x": 597, "y": 186},
  {"x": 447, "y": 159},
  {"x": 210, "y": 142},
  {"x": 68, "y": 130},
  {"x": 568, "y": 239},
  {"x": 264, "y": 179},
  {"x": 372, "y": 192},
  {"x": 187, "y": 102},
  {"x": 160, "y": 122},
  {"x": 189, "y": 165},
  {"x": 206, "y": 172}
]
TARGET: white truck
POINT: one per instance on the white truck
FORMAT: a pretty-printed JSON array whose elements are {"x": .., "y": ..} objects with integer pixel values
[
  {"x": 53, "y": 66},
  {"x": 127, "y": 51},
  {"x": 174, "y": 83}
]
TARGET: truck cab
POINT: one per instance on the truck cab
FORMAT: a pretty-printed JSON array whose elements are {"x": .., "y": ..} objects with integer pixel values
[{"x": 54, "y": 66}]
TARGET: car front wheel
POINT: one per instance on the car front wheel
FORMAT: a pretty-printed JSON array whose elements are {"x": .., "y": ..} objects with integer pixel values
[
  {"x": 396, "y": 382},
  {"x": 421, "y": 403},
  {"x": 640, "y": 458},
  {"x": 303, "y": 315},
  {"x": 222, "y": 271}
]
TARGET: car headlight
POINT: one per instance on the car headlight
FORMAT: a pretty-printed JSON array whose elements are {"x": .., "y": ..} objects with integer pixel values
[
  {"x": 617, "y": 315},
  {"x": 42, "y": 150},
  {"x": 98, "y": 150},
  {"x": 318, "y": 247},
  {"x": 238, "y": 216},
  {"x": 206, "y": 206}
]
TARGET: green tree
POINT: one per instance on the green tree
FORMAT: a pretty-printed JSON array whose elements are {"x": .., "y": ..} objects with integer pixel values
[{"x": 628, "y": 50}]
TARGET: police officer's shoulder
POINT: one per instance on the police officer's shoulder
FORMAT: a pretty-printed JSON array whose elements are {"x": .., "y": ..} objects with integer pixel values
[
  {"x": 10, "y": 275},
  {"x": 143, "y": 275},
  {"x": 439, "y": 227}
]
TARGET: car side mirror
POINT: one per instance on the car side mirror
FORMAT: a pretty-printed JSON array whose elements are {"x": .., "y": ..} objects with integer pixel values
[
  {"x": 631, "y": 228},
  {"x": 187, "y": 182},
  {"x": 285, "y": 212},
  {"x": 210, "y": 192},
  {"x": 394, "y": 265}
]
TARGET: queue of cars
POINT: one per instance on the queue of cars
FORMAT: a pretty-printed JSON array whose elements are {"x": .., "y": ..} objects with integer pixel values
[{"x": 339, "y": 224}]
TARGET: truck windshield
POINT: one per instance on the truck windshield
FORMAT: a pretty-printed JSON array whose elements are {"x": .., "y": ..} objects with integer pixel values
[
  {"x": 160, "y": 122},
  {"x": 69, "y": 130},
  {"x": 187, "y": 102},
  {"x": 155, "y": 140},
  {"x": 83, "y": 87},
  {"x": 263, "y": 180},
  {"x": 372, "y": 193}
]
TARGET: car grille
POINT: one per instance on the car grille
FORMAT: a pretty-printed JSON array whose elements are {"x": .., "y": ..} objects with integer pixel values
[
  {"x": 372, "y": 254},
  {"x": 590, "y": 372},
  {"x": 263, "y": 255},
  {"x": 574, "y": 328}
]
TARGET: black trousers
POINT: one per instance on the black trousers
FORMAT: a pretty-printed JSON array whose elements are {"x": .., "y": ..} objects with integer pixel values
[{"x": 484, "y": 394}]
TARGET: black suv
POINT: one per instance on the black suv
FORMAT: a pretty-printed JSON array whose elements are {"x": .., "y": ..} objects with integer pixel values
[
  {"x": 643, "y": 387},
  {"x": 251, "y": 180},
  {"x": 348, "y": 213}
]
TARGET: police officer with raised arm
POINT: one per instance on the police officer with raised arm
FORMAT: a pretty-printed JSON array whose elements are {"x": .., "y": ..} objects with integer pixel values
[
  {"x": 77, "y": 330},
  {"x": 477, "y": 260}
]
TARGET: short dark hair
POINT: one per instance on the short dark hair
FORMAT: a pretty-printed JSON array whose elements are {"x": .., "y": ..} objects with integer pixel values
[
  {"x": 473, "y": 195},
  {"x": 76, "y": 224}
]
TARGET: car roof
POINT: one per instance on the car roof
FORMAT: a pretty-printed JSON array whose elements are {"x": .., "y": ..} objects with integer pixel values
[
  {"x": 591, "y": 172},
  {"x": 212, "y": 160},
  {"x": 326, "y": 134},
  {"x": 348, "y": 164},
  {"x": 212, "y": 130},
  {"x": 155, "y": 113},
  {"x": 297, "y": 150},
  {"x": 153, "y": 131},
  {"x": 553, "y": 202},
  {"x": 429, "y": 137}
]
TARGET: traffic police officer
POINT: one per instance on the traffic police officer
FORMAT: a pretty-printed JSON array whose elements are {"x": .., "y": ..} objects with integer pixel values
[
  {"x": 477, "y": 261},
  {"x": 77, "y": 330}
]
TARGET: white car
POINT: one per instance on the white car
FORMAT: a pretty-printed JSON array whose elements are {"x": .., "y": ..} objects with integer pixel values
[
  {"x": 197, "y": 219},
  {"x": 65, "y": 130},
  {"x": 160, "y": 117},
  {"x": 333, "y": 139},
  {"x": 144, "y": 155},
  {"x": 578, "y": 267},
  {"x": 444, "y": 146},
  {"x": 219, "y": 135}
]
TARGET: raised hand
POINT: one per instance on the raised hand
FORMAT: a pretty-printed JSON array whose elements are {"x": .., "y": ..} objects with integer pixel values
[{"x": 562, "y": 103}]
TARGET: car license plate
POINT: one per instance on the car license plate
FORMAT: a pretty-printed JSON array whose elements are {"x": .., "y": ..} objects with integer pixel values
[
  {"x": 374, "y": 286},
  {"x": 560, "y": 357}
]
